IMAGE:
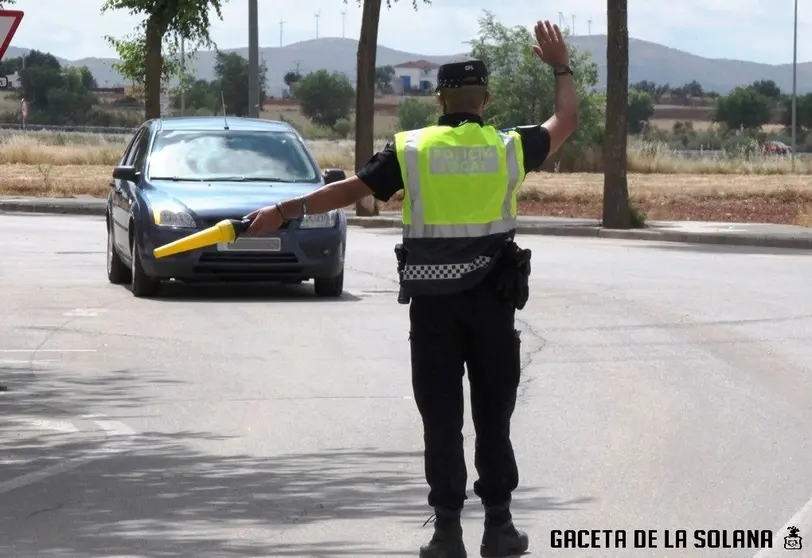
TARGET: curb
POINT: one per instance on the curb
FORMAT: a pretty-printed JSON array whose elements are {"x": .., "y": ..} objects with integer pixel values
[{"x": 81, "y": 207}]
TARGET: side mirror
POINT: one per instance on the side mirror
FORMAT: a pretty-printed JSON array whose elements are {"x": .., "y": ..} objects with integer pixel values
[
  {"x": 333, "y": 175},
  {"x": 126, "y": 173}
]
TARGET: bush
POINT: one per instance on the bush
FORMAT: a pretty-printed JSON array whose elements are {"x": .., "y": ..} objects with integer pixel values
[
  {"x": 414, "y": 114},
  {"x": 342, "y": 128}
]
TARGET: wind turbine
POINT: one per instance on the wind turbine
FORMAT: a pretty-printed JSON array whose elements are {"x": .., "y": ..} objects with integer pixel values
[
  {"x": 343, "y": 23},
  {"x": 318, "y": 15},
  {"x": 281, "y": 24}
]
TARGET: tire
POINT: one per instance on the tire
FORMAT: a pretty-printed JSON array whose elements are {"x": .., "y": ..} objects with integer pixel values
[
  {"x": 142, "y": 285},
  {"x": 332, "y": 287},
  {"x": 117, "y": 271}
]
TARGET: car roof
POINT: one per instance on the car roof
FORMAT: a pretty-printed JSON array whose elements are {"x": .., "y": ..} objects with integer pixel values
[{"x": 211, "y": 123}]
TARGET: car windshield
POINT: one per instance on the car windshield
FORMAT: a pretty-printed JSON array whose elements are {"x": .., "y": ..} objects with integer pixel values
[{"x": 230, "y": 155}]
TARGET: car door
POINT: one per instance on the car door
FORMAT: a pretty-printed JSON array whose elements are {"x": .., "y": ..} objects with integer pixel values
[
  {"x": 125, "y": 190},
  {"x": 117, "y": 217}
]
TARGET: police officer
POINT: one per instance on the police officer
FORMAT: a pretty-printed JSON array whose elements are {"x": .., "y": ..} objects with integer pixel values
[{"x": 465, "y": 277}]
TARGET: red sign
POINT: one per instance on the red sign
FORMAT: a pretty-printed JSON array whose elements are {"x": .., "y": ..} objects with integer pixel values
[{"x": 9, "y": 22}]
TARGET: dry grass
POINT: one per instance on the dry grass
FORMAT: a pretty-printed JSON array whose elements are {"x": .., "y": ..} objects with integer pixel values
[
  {"x": 91, "y": 149},
  {"x": 667, "y": 124},
  {"x": 71, "y": 180}
]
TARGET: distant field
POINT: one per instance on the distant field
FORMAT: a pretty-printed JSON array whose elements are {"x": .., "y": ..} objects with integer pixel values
[{"x": 702, "y": 125}]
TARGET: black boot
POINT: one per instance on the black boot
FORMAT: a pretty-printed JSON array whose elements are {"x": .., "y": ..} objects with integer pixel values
[
  {"x": 501, "y": 539},
  {"x": 447, "y": 539}
]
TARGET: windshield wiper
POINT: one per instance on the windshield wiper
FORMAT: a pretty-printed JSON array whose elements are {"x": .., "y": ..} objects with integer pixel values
[
  {"x": 246, "y": 179},
  {"x": 174, "y": 178}
]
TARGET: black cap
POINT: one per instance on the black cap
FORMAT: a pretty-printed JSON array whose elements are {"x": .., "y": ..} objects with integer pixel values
[{"x": 461, "y": 74}]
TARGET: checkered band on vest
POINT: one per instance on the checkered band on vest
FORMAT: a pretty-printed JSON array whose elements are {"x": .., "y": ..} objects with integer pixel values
[{"x": 443, "y": 271}]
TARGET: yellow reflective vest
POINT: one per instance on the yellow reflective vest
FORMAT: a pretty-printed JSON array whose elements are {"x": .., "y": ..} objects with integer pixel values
[{"x": 459, "y": 205}]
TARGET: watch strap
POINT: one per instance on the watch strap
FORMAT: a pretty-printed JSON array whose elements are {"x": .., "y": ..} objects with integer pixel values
[{"x": 562, "y": 70}]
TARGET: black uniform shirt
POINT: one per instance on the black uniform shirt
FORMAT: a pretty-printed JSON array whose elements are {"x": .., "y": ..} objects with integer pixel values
[{"x": 382, "y": 173}]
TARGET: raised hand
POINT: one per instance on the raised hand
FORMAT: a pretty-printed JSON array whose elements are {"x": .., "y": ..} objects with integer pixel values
[{"x": 551, "y": 47}]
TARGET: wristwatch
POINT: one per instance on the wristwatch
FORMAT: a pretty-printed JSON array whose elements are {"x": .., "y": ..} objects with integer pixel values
[{"x": 562, "y": 70}]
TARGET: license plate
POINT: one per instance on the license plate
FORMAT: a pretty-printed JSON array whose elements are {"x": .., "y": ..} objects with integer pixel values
[{"x": 270, "y": 244}]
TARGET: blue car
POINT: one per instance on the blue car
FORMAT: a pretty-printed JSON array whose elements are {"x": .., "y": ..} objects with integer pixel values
[{"x": 181, "y": 175}]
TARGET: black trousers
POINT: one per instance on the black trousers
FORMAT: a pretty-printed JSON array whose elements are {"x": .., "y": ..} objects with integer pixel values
[{"x": 474, "y": 329}]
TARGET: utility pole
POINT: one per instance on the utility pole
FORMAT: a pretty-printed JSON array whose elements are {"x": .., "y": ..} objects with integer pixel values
[
  {"x": 343, "y": 24},
  {"x": 794, "y": 85},
  {"x": 318, "y": 15},
  {"x": 182, "y": 76},
  {"x": 281, "y": 25},
  {"x": 253, "y": 59}
]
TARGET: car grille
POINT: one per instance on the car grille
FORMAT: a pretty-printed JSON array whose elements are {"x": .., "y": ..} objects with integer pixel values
[{"x": 248, "y": 263}]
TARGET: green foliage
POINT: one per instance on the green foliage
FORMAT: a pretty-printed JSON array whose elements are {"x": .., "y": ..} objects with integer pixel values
[
  {"x": 204, "y": 97},
  {"x": 641, "y": 109},
  {"x": 57, "y": 95},
  {"x": 768, "y": 88},
  {"x": 803, "y": 110},
  {"x": 291, "y": 78},
  {"x": 149, "y": 55},
  {"x": 325, "y": 98},
  {"x": 383, "y": 78},
  {"x": 414, "y": 114},
  {"x": 745, "y": 107},
  {"x": 342, "y": 128},
  {"x": 523, "y": 87}
]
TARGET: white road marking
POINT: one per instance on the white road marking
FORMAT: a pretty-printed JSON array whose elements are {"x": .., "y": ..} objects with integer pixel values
[
  {"x": 119, "y": 438},
  {"x": 802, "y": 520},
  {"x": 85, "y": 312},
  {"x": 48, "y": 350},
  {"x": 45, "y": 424},
  {"x": 7, "y": 361}
]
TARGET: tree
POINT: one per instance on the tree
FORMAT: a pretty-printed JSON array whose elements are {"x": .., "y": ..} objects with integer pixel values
[
  {"x": 641, "y": 109},
  {"x": 232, "y": 80},
  {"x": 768, "y": 88},
  {"x": 744, "y": 108},
  {"x": 291, "y": 78},
  {"x": 414, "y": 114},
  {"x": 523, "y": 89},
  {"x": 365, "y": 91},
  {"x": 383, "y": 78},
  {"x": 165, "y": 23},
  {"x": 616, "y": 210},
  {"x": 325, "y": 98},
  {"x": 803, "y": 112}
]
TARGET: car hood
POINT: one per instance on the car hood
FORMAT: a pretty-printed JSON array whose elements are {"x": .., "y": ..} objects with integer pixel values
[{"x": 224, "y": 199}]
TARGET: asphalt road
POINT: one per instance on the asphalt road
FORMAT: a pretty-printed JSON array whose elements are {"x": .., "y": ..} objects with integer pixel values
[{"x": 665, "y": 387}]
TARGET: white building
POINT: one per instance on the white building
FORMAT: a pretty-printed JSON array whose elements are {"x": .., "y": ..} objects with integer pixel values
[{"x": 418, "y": 75}]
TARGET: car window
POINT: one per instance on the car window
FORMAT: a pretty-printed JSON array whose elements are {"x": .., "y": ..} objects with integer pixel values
[
  {"x": 231, "y": 154},
  {"x": 126, "y": 155},
  {"x": 140, "y": 151}
]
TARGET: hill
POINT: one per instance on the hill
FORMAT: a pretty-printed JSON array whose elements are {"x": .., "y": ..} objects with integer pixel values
[{"x": 648, "y": 61}]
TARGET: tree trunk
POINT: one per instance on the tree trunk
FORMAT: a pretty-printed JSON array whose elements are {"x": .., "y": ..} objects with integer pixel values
[
  {"x": 616, "y": 212},
  {"x": 365, "y": 96},
  {"x": 154, "y": 70}
]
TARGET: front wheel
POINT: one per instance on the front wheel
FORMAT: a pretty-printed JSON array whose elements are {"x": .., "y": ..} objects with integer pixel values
[
  {"x": 330, "y": 287},
  {"x": 142, "y": 285},
  {"x": 117, "y": 271}
]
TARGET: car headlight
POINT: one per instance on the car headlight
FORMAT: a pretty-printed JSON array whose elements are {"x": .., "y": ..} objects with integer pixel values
[
  {"x": 319, "y": 221},
  {"x": 173, "y": 218}
]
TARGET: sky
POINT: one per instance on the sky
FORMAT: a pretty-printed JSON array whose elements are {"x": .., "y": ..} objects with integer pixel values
[{"x": 756, "y": 30}]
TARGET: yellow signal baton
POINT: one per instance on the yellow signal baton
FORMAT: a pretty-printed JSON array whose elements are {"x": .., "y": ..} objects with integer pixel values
[{"x": 226, "y": 230}]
